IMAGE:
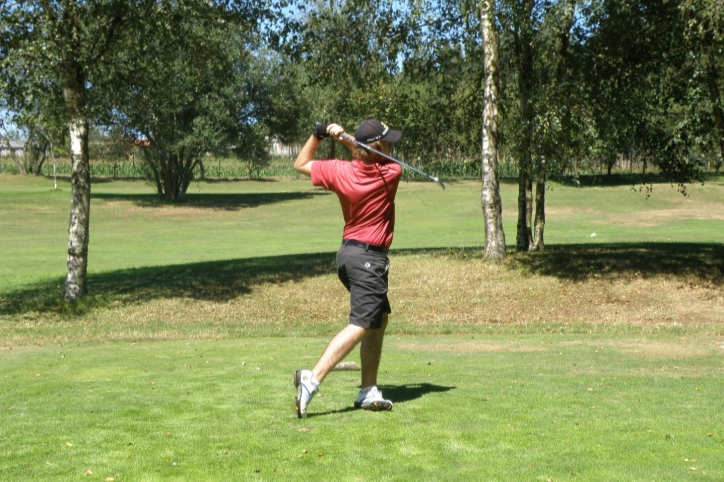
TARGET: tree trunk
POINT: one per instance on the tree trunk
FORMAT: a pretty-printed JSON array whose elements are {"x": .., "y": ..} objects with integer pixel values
[
  {"x": 78, "y": 231},
  {"x": 490, "y": 198},
  {"x": 525, "y": 202},
  {"x": 540, "y": 208},
  {"x": 39, "y": 153},
  {"x": 21, "y": 165},
  {"x": 524, "y": 53},
  {"x": 715, "y": 96},
  {"x": 170, "y": 172},
  {"x": 39, "y": 168},
  {"x": 539, "y": 223}
]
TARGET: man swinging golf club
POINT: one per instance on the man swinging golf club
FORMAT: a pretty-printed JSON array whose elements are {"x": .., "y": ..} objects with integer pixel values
[{"x": 366, "y": 189}]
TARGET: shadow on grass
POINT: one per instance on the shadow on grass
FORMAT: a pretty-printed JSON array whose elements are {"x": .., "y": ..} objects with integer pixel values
[
  {"x": 221, "y": 281},
  {"x": 689, "y": 261},
  {"x": 217, "y": 201},
  {"x": 331, "y": 412},
  {"x": 407, "y": 393},
  {"x": 217, "y": 281},
  {"x": 396, "y": 393}
]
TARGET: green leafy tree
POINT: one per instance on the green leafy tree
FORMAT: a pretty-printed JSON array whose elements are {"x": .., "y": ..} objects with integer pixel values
[
  {"x": 54, "y": 50},
  {"x": 353, "y": 53},
  {"x": 189, "y": 92},
  {"x": 43, "y": 129},
  {"x": 623, "y": 66},
  {"x": 704, "y": 38},
  {"x": 539, "y": 99}
]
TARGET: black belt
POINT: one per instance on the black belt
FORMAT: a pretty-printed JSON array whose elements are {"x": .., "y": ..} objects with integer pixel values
[{"x": 365, "y": 246}]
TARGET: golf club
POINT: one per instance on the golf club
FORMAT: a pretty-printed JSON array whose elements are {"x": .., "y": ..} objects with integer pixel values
[{"x": 365, "y": 146}]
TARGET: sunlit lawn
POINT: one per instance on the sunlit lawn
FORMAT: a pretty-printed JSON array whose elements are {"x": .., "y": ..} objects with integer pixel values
[
  {"x": 536, "y": 407},
  {"x": 230, "y": 220}
]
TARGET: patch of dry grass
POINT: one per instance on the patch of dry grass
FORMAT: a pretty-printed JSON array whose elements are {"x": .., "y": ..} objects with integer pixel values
[
  {"x": 443, "y": 291},
  {"x": 432, "y": 292}
]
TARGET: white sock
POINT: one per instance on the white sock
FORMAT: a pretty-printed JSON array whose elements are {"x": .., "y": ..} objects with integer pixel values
[{"x": 367, "y": 390}]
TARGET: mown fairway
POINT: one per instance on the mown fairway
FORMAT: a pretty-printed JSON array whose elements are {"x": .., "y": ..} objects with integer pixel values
[
  {"x": 498, "y": 407},
  {"x": 599, "y": 359}
]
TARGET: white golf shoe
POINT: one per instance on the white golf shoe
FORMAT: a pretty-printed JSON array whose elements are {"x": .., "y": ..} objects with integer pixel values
[
  {"x": 371, "y": 399},
  {"x": 306, "y": 388}
]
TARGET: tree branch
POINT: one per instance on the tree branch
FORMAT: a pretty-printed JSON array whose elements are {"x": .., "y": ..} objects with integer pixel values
[{"x": 117, "y": 21}]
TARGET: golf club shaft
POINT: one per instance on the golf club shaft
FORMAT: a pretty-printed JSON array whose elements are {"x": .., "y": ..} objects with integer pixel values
[{"x": 365, "y": 146}]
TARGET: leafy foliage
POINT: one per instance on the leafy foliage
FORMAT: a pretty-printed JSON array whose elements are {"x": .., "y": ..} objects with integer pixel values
[{"x": 192, "y": 101}]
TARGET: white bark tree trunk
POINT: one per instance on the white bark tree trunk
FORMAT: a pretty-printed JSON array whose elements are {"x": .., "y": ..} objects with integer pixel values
[
  {"x": 490, "y": 197},
  {"x": 78, "y": 230},
  {"x": 540, "y": 210}
]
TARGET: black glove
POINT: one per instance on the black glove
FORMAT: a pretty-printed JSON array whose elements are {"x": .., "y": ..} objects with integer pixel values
[{"x": 320, "y": 132}]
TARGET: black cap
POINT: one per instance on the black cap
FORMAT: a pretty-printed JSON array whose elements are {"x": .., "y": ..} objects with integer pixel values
[{"x": 372, "y": 130}]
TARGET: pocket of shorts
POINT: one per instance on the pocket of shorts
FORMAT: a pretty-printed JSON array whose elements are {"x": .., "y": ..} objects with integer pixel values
[{"x": 381, "y": 268}]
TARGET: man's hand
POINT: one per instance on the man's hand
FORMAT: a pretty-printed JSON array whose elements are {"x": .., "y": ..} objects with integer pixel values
[
  {"x": 335, "y": 130},
  {"x": 320, "y": 131}
]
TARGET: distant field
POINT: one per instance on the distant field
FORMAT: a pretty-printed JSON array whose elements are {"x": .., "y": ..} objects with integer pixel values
[{"x": 130, "y": 227}]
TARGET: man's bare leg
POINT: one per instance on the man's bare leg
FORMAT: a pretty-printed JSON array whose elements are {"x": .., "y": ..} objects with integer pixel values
[
  {"x": 338, "y": 348},
  {"x": 370, "y": 353}
]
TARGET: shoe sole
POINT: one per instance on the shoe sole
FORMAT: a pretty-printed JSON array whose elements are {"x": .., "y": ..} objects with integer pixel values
[
  {"x": 298, "y": 386},
  {"x": 380, "y": 406}
]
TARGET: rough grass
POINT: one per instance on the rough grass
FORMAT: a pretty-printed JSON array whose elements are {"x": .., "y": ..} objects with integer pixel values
[{"x": 645, "y": 288}]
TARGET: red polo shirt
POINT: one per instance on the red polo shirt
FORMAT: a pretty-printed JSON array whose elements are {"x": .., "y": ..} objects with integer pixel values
[{"x": 366, "y": 193}]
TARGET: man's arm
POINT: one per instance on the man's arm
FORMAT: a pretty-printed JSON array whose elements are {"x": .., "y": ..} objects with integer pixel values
[
  {"x": 305, "y": 159},
  {"x": 335, "y": 131}
]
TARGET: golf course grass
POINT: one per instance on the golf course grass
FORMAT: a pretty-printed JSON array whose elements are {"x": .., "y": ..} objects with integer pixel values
[
  {"x": 466, "y": 408},
  {"x": 601, "y": 358}
]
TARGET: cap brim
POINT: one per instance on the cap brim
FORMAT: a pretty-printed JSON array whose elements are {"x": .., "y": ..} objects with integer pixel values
[{"x": 392, "y": 136}]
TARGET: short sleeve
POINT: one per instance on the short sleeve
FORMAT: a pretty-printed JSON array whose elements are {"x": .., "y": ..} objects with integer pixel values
[{"x": 323, "y": 173}]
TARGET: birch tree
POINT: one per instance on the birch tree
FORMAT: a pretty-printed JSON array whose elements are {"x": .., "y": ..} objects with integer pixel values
[
  {"x": 490, "y": 197},
  {"x": 54, "y": 49},
  {"x": 554, "y": 129},
  {"x": 522, "y": 21}
]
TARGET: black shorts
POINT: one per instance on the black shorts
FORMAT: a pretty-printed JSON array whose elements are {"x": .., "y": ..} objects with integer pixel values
[{"x": 364, "y": 274}]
